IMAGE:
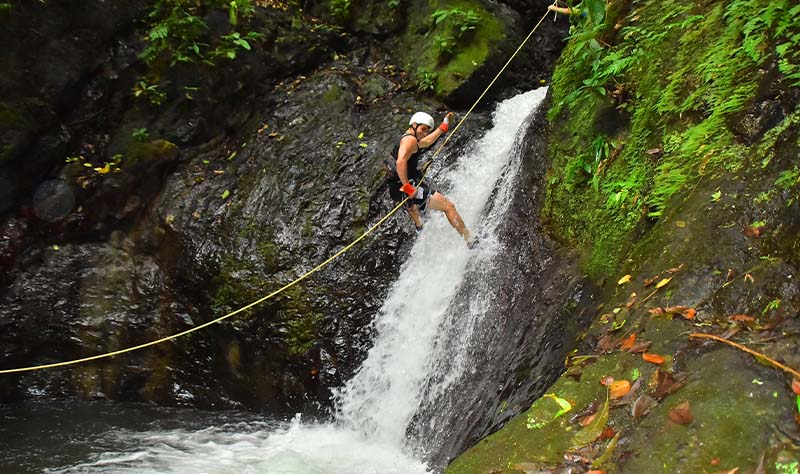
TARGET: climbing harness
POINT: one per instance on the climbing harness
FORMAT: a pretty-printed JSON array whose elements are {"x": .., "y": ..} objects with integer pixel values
[{"x": 300, "y": 278}]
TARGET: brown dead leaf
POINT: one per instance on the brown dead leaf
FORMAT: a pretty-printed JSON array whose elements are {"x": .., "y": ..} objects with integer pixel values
[
  {"x": 606, "y": 343},
  {"x": 676, "y": 269},
  {"x": 730, "y": 332},
  {"x": 675, "y": 309},
  {"x": 640, "y": 346},
  {"x": 631, "y": 301},
  {"x": 650, "y": 281},
  {"x": 642, "y": 406},
  {"x": 628, "y": 342},
  {"x": 681, "y": 414},
  {"x": 749, "y": 277},
  {"x": 653, "y": 358},
  {"x": 619, "y": 389},
  {"x": 656, "y": 311},
  {"x": 742, "y": 318},
  {"x": 665, "y": 384},
  {"x": 796, "y": 386}
]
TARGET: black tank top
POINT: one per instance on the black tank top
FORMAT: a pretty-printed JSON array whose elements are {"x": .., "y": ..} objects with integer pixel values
[{"x": 412, "y": 166}]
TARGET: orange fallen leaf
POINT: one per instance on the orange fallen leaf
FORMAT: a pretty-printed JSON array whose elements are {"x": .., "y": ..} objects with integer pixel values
[
  {"x": 628, "y": 342},
  {"x": 624, "y": 279},
  {"x": 715, "y": 462},
  {"x": 619, "y": 389},
  {"x": 653, "y": 358},
  {"x": 752, "y": 231},
  {"x": 608, "y": 433},
  {"x": 796, "y": 386},
  {"x": 596, "y": 471},
  {"x": 587, "y": 420},
  {"x": 689, "y": 313},
  {"x": 681, "y": 414}
]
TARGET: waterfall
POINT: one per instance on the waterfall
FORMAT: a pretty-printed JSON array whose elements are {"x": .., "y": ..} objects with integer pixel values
[{"x": 421, "y": 347}]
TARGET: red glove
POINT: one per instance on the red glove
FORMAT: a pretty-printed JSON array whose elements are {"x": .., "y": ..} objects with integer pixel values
[
  {"x": 445, "y": 125},
  {"x": 408, "y": 189}
]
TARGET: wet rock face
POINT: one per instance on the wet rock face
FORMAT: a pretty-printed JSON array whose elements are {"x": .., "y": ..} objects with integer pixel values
[{"x": 222, "y": 195}]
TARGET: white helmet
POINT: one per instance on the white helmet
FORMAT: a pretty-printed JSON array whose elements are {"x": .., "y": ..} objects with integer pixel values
[{"x": 421, "y": 118}]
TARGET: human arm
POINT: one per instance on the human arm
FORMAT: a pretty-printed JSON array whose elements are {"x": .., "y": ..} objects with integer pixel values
[
  {"x": 438, "y": 132},
  {"x": 564, "y": 10}
]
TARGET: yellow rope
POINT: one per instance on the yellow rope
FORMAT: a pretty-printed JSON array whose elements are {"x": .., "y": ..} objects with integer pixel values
[{"x": 292, "y": 283}]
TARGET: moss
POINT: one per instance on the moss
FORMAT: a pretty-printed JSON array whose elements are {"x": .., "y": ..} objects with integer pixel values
[
  {"x": 447, "y": 70},
  {"x": 332, "y": 95},
  {"x": 677, "y": 73}
]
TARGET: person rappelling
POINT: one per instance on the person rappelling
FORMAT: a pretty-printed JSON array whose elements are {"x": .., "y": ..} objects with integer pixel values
[{"x": 406, "y": 179}]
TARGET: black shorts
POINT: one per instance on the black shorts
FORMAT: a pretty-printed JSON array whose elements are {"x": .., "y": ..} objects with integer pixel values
[{"x": 398, "y": 195}]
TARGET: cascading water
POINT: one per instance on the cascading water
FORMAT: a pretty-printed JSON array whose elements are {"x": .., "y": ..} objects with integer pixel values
[{"x": 408, "y": 365}]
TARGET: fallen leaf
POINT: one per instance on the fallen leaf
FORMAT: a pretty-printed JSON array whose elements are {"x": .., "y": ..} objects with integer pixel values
[
  {"x": 631, "y": 301},
  {"x": 680, "y": 224},
  {"x": 619, "y": 389},
  {"x": 642, "y": 406},
  {"x": 608, "y": 433},
  {"x": 675, "y": 309},
  {"x": 761, "y": 469},
  {"x": 681, "y": 414},
  {"x": 593, "y": 431},
  {"x": 742, "y": 318},
  {"x": 653, "y": 358},
  {"x": 715, "y": 462},
  {"x": 587, "y": 420},
  {"x": 607, "y": 380},
  {"x": 796, "y": 386},
  {"x": 624, "y": 279},
  {"x": 628, "y": 398},
  {"x": 689, "y": 313},
  {"x": 628, "y": 342},
  {"x": 563, "y": 404},
  {"x": 650, "y": 281},
  {"x": 605, "y": 456},
  {"x": 663, "y": 282},
  {"x": 752, "y": 231},
  {"x": 656, "y": 311},
  {"x": 749, "y": 277},
  {"x": 640, "y": 346},
  {"x": 665, "y": 384},
  {"x": 731, "y": 274},
  {"x": 676, "y": 269},
  {"x": 606, "y": 343}
]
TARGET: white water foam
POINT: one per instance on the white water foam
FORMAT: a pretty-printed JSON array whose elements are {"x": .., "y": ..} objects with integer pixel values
[{"x": 374, "y": 409}]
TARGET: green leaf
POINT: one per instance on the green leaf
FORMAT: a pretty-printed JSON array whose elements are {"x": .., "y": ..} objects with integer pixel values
[
  {"x": 798, "y": 403},
  {"x": 231, "y": 156},
  {"x": 565, "y": 405},
  {"x": 363, "y": 145},
  {"x": 593, "y": 430},
  {"x": 361, "y": 136},
  {"x": 715, "y": 197},
  {"x": 226, "y": 194}
]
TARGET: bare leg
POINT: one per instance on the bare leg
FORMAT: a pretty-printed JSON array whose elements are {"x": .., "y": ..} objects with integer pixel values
[
  {"x": 413, "y": 213},
  {"x": 440, "y": 203}
]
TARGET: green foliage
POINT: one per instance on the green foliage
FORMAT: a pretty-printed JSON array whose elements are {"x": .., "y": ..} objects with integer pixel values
[
  {"x": 426, "y": 80},
  {"x": 450, "y": 27},
  {"x": 339, "y": 10},
  {"x": 4, "y": 7},
  {"x": 140, "y": 134},
  {"x": 151, "y": 92},
  {"x": 178, "y": 33},
  {"x": 667, "y": 84}
]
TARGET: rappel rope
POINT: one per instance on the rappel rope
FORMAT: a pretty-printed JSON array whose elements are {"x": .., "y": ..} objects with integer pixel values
[{"x": 300, "y": 278}]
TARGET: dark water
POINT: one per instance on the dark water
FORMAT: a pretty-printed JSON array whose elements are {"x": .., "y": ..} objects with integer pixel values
[{"x": 50, "y": 436}]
